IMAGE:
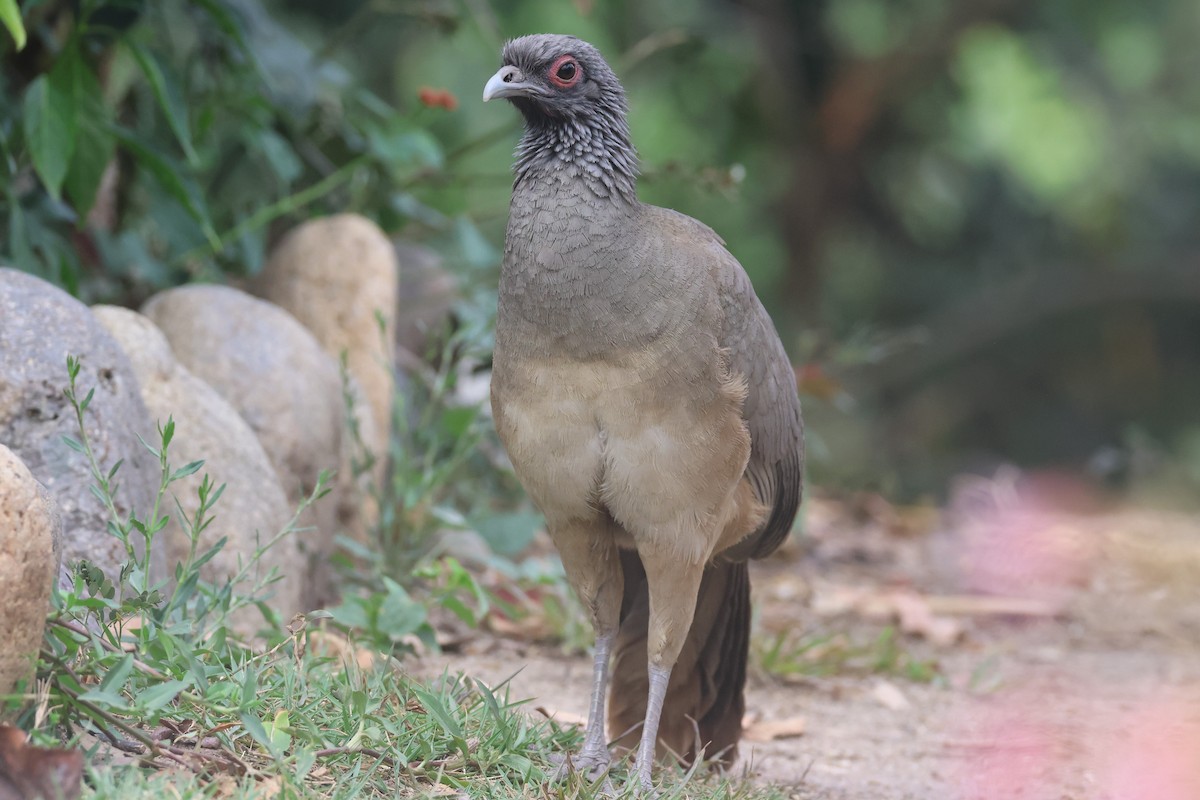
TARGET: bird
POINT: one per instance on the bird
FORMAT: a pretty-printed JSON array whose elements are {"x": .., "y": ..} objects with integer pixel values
[{"x": 648, "y": 407}]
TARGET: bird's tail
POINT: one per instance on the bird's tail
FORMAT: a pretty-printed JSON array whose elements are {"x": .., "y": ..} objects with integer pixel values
[{"x": 704, "y": 703}]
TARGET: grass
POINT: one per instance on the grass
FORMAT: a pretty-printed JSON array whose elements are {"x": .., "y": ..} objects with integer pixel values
[
  {"x": 151, "y": 681},
  {"x": 824, "y": 654}
]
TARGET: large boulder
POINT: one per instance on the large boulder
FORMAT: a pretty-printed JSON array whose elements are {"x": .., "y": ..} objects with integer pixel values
[
  {"x": 424, "y": 313},
  {"x": 276, "y": 375},
  {"x": 253, "y": 507},
  {"x": 338, "y": 275},
  {"x": 30, "y": 541},
  {"x": 40, "y": 325}
]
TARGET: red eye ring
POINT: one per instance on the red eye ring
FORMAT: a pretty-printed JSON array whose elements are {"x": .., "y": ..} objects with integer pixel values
[{"x": 565, "y": 72}]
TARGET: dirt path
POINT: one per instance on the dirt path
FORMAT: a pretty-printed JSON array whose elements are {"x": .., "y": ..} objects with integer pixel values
[{"x": 1091, "y": 692}]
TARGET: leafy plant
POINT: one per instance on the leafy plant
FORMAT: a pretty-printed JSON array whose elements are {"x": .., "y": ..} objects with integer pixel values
[{"x": 155, "y": 142}]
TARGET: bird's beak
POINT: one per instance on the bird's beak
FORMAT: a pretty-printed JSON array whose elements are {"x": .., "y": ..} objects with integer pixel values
[{"x": 508, "y": 82}]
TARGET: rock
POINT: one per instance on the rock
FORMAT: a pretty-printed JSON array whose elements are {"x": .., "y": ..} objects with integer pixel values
[
  {"x": 276, "y": 375},
  {"x": 338, "y": 275},
  {"x": 427, "y": 297},
  {"x": 363, "y": 465},
  {"x": 30, "y": 552},
  {"x": 40, "y": 325},
  {"x": 253, "y": 507}
]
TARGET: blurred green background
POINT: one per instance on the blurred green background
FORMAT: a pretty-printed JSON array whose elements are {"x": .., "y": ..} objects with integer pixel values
[{"x": 976, "y": 224}]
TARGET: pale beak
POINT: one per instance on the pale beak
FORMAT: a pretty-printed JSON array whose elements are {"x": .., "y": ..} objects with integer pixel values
[{"x": 508, "y": 82}]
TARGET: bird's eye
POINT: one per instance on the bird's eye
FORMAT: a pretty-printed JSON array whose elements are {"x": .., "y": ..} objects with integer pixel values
[{"x": 564, "y": 72}]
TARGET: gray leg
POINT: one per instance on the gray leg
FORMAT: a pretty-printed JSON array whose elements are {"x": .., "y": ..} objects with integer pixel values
[
  {"x": 594, "y": 758},
  {"x": 593, "y": 567},
  {"x": 659, "y": 678}
]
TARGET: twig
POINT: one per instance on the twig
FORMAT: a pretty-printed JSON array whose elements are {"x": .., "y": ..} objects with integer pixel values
[{"x": 95, "y": 711}]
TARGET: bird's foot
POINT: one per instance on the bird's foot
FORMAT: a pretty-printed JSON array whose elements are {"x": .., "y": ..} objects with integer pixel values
[
  {"x": 591, "y": 762},
  {"x": 645, "y": 787}
]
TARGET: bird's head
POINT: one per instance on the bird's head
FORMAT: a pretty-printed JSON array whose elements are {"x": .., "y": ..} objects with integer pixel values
[
  {"x": 574, "y": 109},
  {"x": 551, "y": 77}
]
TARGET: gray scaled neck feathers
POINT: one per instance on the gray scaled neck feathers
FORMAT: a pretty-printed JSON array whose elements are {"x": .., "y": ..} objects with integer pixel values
[{"x": 595, "y": 149}]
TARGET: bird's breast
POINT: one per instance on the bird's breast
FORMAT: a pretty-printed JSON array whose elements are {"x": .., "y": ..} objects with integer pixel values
[{"x": 638, "y": 436}]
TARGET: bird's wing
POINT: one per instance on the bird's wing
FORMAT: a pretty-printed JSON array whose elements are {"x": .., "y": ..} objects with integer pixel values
[
  {"x": 772, "y": 408},
  {"x": 771, "y": 411}
]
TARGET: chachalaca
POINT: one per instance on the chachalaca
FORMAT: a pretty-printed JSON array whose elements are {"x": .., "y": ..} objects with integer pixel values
[{"x": 647, "y": 405}]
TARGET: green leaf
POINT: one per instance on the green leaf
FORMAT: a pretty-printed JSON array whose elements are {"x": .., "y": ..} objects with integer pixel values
[
  {"x": 404, "y": 150},
  {"x": 169, "y": 98},
  {"x": 277, "y": 731},
  {"x": 94, "y": 147},
  {"x": 518, "y": 763},
  {"x": 457, "y": 421},
  {"x": 490, "y": 699},
  {"x": 228, "y": 22},
  {"x": 436, "y": 708},
  {"x": 10, "y": 15},
  {"x": 194, "y": 666},
  {"x": 212, "y": 551},
  {"x": 116, "y": 677},
  {"x": 48, "y": 114},
  {"x": 399, "y": 614},
  {"x": 459, "y": 609},
  {"x": 353, "y": 613},
  {"x": 19, "y": 250},
  {"x": 189, "y": 469},
  {"x": 254, "y": 727},
  {"x": 110, "y": 700},
  {"x": 160, "y": 694},
  {"x": 279, "y": 155},
  {"x": 508, "y": 533},
  {"x": 170, "y": 174},
  {"x": 249, "y": 686}
]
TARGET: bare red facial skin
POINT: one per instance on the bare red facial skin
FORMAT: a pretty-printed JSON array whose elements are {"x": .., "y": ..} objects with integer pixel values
[{"x": 571, "y": 69}]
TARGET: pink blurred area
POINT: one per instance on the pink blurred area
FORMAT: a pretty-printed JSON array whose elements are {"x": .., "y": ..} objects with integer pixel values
[
  {"x": 1019, "y": 535},
  {"x": 1068, "y": 737}
]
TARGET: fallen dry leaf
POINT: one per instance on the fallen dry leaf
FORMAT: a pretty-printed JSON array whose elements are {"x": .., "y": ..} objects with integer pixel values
[
  {"x": 331, "y": 644},
  {"x": 270, "y": 787},
  {"x": 913, "y": 612},
  {"x": 916, "y": 616},
  {"x": 770, "y": 730},
  {"x": 980, "y": 605},
  {"x": 28, "y": 773},
  {"x": 222, "y": 786}
]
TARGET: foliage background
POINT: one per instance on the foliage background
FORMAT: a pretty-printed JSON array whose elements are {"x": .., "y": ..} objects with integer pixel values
[{"x": 975, "y": 223}]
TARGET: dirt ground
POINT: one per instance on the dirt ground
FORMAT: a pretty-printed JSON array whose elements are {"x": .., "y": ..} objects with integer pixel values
[{"x": 1064, "y": 637}]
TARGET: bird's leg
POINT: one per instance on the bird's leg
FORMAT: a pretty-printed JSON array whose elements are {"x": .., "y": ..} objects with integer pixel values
[
  {"x": 593, "y": 567},
  {"x": 673, "y": 585},
  {"x": 595, "y": 742},
  {"x": 660, "y": 676}
]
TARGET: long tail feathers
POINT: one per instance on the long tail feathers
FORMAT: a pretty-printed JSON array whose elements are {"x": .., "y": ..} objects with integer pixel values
[{"x": 705, "y": 701}]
